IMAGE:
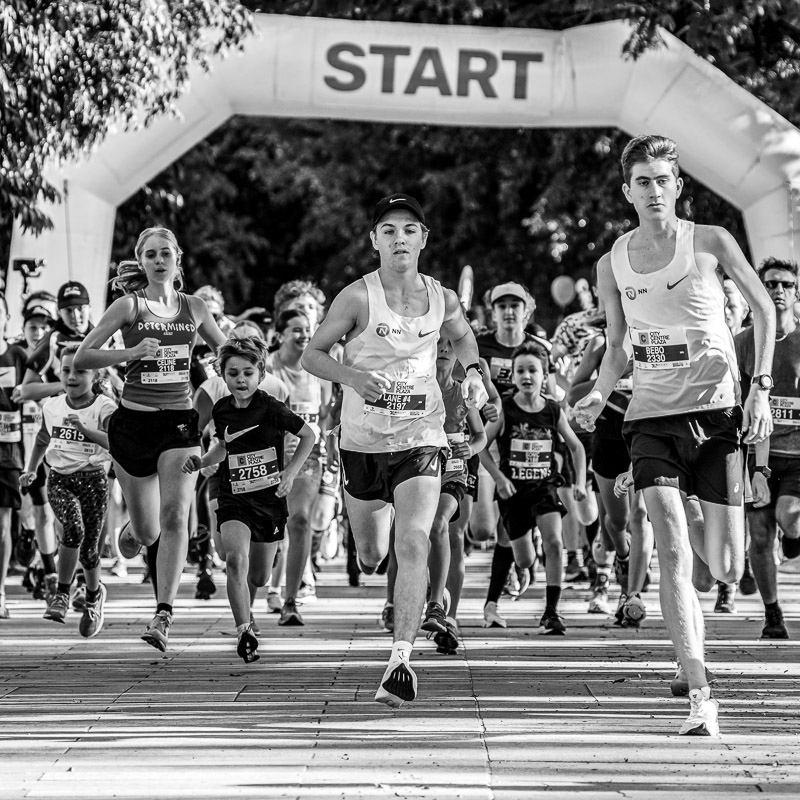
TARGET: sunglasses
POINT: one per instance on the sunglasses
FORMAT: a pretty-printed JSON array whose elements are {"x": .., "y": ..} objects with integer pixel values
[{"x": 780, "y": 284}]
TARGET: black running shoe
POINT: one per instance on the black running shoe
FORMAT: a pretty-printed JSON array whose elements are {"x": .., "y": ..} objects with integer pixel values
[
  {"x": 247, "y": 648},
  {"x": 790, "y": 547},
  {"x": 726, "y": 598},
  {"x": 447, "y": 642},
  {"x": 205, "y": 586},
  {"x": 774, "y": 626},
  {"x": 25, "y": 548},
  {"x": 434, "y": 618},
  {"x": 747, "y": 583},
  {"x": 551, "y": 624}
]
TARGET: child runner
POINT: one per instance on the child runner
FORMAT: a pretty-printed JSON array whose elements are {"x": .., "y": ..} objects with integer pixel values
[
  {"x": 73, "y": 438},
  {"x": 466, "y": 437},
  {"x": 527, "y": 477},
  {"x": 250, "y": 427}
]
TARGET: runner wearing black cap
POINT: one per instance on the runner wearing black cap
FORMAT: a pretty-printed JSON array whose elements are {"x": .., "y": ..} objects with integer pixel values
[{"x": 392, "y": 433}]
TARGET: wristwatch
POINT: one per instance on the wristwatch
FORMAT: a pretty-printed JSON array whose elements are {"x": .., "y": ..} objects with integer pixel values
[
  {"x": 764, "y": 382},
  {"x": 476, "y": 366},
  {"x": 765, "y": 471}
]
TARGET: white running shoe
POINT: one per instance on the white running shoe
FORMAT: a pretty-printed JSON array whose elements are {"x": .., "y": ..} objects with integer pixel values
[
  {"x": 274, "y": 603},
  {"x": 703, "y": 714},
  {"x": 399, "y": 683},
  {"x": 129, "y": 546},
  {"x": 491, "y": 617}
]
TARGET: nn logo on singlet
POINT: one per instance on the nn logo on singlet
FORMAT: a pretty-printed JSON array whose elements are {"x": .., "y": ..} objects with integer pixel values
[
  {"x": 632, "y": 293},
  {"x": 383, "y": 330}
]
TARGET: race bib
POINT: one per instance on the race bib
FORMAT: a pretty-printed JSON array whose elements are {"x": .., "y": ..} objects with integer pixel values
[
  {"x": 405, "y": 398},
  {"x": 170, "y": 365},
  {"x": 31, "y": 418},
  {"x": 10, "y": 426},
  {"x": 70, "y": 440},
  {"x": 500, "y": 369},
  {"x": 308, "y": 412},
  {"x": 666, "y": 348},
  {"x": 253, "y": 471},
  {"x": 530, "y": 459},
  {"x": 455, "y": 464},
  {"x": 785, "y": 410}
]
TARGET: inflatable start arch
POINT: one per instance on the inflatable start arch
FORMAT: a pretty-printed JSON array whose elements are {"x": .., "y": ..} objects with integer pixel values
[{"x": 448, "y": 75}]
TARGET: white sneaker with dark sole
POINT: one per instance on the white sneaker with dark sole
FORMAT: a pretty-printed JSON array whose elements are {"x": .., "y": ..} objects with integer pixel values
[{"x": 703, "y": 719}]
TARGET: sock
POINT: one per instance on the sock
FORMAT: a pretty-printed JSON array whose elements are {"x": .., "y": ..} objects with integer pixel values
[
  {"x": 64, "y": 588},
  {"x": 92, "y": 595},
  {"x": 49, "y": 563},
  {"x": 592, "y": 529},
  {"x": 240, "y": 629},
  {"x": 552, "y": 596},
  {"x": 572, "y": 553},
  {"x": 163, "y": 607},
  {"x": 151, "y": 556},
  {"x": 502, "y": 559},
  {"x": 772, "y": 606},
  {"x": 606, "y": 570},
  {"x": 401, "y": 650}
]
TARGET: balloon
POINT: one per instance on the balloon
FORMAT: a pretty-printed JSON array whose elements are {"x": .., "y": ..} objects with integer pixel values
[
  {"x": 465, "y": 287},
  {"x": 562, "y": 290}
]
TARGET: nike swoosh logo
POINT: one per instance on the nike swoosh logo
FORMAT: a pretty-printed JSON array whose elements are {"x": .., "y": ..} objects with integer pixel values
[
  {"x": 422, "y": 335},
  {"x": 671, "y": 286},
  {"x": 229, "y": 437},
  {"x": 395, "y": 200}
]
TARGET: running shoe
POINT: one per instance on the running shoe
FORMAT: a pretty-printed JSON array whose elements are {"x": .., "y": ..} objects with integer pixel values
[
  {"x": 525, "y": 577},
  {"x": 119, "y": 569},
  {"x": 747, "y": 583},
  {"x": 619, "y": 614},
  {"x": 399, "y": 683},
  {"x": 156, "y": 634},
  {"x": 307, "y": 593},
  {"x": 447, "y": 642},
  {"x": 599, "y": 603},
  {"x": 205, "y": 585},
  {"x": 703, "y": 715},
  {"x": 25, "y": 548},
  {"x": 254, "y": 625},
  {"x": 491, "y": 617},
  {"x": 57, "y": 607},
  {"x": 274, "y": 602},
  {"x": 129, "y": 547},
  {"x": 551, "y": 624},
  {"x": 633, "y": 612},
  {"x": 247, "y": 646},
  {"x": 434, "y": 621},
  {"x": 3, "y": 608},
  {"x": 290, "y": 615},
  {"x": 774, "y": 626},
  {"x": 511, "y": 587},
  {"x": 387, "y": 618},
  {"x": 726, "y": 597},
  {"x": 93, "y": 616},
  {"x": 50, "y": 585},
  {"x": 679, "y": 686},
  {"x": 574, "y": 572},
  {"x": 79, "y": 597}
]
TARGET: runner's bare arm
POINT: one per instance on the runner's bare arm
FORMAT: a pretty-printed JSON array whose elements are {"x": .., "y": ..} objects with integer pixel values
[
  {"x": 90, "y": 354},
  {"x": 456, "y": 328},
  {"x": 206, "y": 324}
]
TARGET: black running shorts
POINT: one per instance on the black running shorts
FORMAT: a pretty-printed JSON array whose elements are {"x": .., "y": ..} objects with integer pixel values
[
  {"x": 698, "y": 453},
  {"x": 137, "y": 438},
  {"x": 610, "y": 457},
  {"x": 784, "y": 480},
  {"x": 375, "y": 476},
  {"x": 520, "y": 511},
  {"x": 10, "y": 496},
  {"x": 265, "y": 525}
]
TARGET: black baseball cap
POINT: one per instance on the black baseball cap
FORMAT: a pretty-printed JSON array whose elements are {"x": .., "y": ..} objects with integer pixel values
[
  {"x": 38, "y": 309},
  {"x": 71, "y": 294},
  {"x": 394, "y": 201}
]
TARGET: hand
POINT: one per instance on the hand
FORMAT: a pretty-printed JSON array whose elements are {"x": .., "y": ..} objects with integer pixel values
[
  {"x": 757, "y": 422},
  {"x": 16, "y": 394},
  {"x": 505, "y": 488},
  {"x": 623, "y": 483},
  {"x": 371, "y": 385},
  {"x": 761, "y": 493},
  {"x": 588, "y": 409},
  {"x": 147, "y": 348},
  {"x": 579, "y": 492},
  {"x": 490, "y": 412},
  {"x": 27, "y": 478},
  {"x": 461, "y": 450},
  {"x": 285, "y": 486},
  {"x": 192, "y": 464},
  {"x": 75, "y": 421},
  {"x": 473, "y": 391},
  {"x": 210, "y": 470}
]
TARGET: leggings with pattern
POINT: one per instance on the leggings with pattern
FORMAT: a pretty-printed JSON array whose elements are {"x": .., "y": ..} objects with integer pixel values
[{"x": 79, "y": 501}]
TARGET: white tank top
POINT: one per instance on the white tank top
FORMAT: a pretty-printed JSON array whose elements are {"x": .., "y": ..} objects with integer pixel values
[
  {"x": 683, "y": 353},
  {"x": 411, "y": 413}
]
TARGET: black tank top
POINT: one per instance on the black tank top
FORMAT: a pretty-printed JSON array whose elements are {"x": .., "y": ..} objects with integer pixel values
[{"x": 527, "y": 443}]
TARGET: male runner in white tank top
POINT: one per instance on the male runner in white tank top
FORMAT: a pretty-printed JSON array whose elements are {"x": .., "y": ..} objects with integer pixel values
[
  {"x": 392, "y": 412},
  {"x": 661, "y": 281}
]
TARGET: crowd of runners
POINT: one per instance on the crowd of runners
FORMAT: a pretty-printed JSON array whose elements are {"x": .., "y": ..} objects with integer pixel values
[{"x": 407, "y": 430}]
